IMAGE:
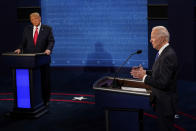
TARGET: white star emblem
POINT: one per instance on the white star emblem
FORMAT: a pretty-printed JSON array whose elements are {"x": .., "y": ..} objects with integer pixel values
[{"x": 79, "y": 98}]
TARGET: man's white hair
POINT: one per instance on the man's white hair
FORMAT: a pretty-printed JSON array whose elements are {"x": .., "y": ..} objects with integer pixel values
[
  {"x": 162, "y": 32},
  {"x": 34, "y": 14}
]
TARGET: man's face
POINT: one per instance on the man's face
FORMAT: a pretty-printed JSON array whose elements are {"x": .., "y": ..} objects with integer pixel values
[
  {"x": 156, "y": 40},
  {"x": 35, "y": 20}
]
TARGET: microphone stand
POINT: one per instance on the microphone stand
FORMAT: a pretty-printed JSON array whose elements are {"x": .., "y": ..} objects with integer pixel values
[
  {"x": 21, "y": 50},
  {"x": 115, "y": 83}
]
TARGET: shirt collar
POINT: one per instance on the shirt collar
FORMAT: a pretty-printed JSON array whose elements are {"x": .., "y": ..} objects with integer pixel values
[
  {"x": 162, "y": 48},
  {"x": 34, "y": 27}
]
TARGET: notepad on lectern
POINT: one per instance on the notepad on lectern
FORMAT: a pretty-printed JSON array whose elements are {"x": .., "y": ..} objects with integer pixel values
[{"x": 134, "y": 89}]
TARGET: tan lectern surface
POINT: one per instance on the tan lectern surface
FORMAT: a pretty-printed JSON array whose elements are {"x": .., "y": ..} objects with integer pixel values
[{"x": 130, "y": 86}]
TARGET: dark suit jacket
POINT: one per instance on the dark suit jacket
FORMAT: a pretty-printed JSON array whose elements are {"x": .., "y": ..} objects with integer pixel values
[
  {"x": 45, "y": 40},
  {"x": 162, "y": 79}
]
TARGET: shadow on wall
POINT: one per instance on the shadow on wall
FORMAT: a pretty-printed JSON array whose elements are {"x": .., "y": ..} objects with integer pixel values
[
  {"x": 99, "y": 64},
  {"x": 99, "y": 58}
]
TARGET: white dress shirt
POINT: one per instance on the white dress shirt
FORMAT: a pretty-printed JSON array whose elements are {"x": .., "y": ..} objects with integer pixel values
[{"x": 34, "y": 29}]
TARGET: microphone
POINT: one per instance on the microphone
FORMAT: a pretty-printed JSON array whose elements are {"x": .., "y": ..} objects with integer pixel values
[
  {"x": 114, "y": 82},
  {"x": 139, "y": 52}
]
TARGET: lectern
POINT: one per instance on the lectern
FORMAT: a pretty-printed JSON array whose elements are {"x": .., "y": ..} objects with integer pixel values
[
  {"x": 27, "y": 83},
  {"x": 123, "y": 106}
]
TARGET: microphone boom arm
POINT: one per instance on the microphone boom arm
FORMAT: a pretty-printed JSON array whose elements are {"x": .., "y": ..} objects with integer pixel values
[{"x": 114, "y": 83}]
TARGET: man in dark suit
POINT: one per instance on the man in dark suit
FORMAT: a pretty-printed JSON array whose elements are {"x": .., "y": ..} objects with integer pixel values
[
  {"x": 162, "y": 78},
  {"x": 38, "y": 38}
]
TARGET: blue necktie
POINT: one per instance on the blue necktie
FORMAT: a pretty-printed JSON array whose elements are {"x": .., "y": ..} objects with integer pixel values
[{"x": 157, "y": 56}]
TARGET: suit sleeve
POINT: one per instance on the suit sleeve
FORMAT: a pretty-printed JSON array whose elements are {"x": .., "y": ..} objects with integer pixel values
[
  {"x": 149, "y": 72},
  {"x": 24, "y": 39},
  {"x": 163, "y": 77},
  {"x": 50, "y": 40}
]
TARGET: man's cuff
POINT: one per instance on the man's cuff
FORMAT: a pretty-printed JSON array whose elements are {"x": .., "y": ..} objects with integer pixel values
[{"x": 144, "y": 78}]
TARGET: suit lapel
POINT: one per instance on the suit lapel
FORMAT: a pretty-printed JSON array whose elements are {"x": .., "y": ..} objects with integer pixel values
[
  {"x": 157, "y": 61},
  {"x": 30, "y": 33},
  {"x": 40, "y": 34},
  {"x": 164, "y": 51},
  {"x": 155, "y": 64}
]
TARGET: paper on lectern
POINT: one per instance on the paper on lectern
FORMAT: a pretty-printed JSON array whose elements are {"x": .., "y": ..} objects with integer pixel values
[{"x": 134, "y": 89}]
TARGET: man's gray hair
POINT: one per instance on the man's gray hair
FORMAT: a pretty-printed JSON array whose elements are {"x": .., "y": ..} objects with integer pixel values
[
  {"x": 34, "y": 14},
  {"x": 162, "y": 31}
]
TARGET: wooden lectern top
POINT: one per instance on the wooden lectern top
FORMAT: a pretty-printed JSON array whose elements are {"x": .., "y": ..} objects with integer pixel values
[
  {"x": 25, "y": 60},
  {"x": 131, "y": 86},
  {"x": 23, "y": 54}
]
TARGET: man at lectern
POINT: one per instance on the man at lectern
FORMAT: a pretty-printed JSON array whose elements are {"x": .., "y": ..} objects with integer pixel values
[
  {"x": 38, "y": 38},
  {"x": 162, "y": 78}
]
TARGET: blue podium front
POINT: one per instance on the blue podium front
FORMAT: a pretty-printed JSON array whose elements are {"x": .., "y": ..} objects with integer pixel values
[
  {"x": 23, "y": 88},
  {"x": 27, "y": 83}
]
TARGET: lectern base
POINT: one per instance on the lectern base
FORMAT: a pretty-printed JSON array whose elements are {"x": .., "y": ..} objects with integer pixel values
[
  {"x": 27, "y": 83},
  {"x": 28, "y": 113}
]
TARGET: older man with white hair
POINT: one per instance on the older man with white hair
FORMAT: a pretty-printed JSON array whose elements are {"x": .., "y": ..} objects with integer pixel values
[{"x": 162, "y": 78}]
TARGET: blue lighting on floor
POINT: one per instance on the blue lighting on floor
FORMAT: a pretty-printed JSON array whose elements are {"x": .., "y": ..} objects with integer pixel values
[{"x": 23, "y": 88}]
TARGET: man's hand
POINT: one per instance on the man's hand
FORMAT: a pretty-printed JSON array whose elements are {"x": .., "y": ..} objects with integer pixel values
[
  {"x": 17, "y": 51},
  {"x": 138, "y": 72},
  {"x": 47, "y": 52}
]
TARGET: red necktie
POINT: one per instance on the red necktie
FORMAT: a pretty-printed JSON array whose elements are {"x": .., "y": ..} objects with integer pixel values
[{"x": 35, "y": 36}]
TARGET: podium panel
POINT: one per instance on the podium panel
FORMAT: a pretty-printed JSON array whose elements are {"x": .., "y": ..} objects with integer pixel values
[
  {"x": 128, "y": 100},
  {"x": 27, "y": 83},
  {"x": 23, "y": 88}
]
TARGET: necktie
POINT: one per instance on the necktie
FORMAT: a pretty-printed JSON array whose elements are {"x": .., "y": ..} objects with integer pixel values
[
  {"x": 35, "y": 36},
  {"x": 157, "y": 56}
]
